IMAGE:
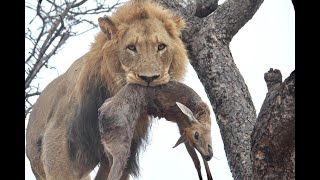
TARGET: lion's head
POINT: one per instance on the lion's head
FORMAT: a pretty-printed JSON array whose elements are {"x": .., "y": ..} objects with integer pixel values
[{"x": 140, "y": 44}]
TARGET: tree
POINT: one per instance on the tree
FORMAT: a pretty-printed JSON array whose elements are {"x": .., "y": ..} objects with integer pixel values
[
  {"x": 209, "y": 33},
  {"x": 257, "y": 147},
  {"x": 273, "y": 137},
  {"x": 53, "y": 24}
]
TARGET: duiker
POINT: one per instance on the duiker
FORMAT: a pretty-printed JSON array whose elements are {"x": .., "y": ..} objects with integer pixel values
[{"x": 174, "y": 101}]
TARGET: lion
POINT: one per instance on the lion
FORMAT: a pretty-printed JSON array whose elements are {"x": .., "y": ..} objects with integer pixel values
[{"x": 138, "y": 44}]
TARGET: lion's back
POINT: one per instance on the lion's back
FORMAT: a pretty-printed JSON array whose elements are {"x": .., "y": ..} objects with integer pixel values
[{"x": 52, "y": 102}]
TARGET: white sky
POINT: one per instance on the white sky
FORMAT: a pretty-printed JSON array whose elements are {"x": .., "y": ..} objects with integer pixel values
[{"x": 266, "y": 41}]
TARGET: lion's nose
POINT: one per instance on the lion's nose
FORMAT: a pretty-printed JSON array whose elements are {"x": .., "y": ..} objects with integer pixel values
[{"x": 149, "y": 79}]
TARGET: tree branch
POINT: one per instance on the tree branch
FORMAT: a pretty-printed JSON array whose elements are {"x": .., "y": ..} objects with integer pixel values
[
  {"x": 78, "y": 4},
  {"x": 273, "y": 78},
  {"x": 229, "y": 97},
  {"x": 273, "y": 137},
  {"x": 59, "y": 19},
  {"x": 40, "y": 34},
  {"x": 32, "y": 94},
  {"x": 205, "y": 7},
  {"x": 46, "y": 44},
  {"x": 231, "y": 16},
  {"x": 54, "y": 4},
  {"x": 184, "y": 8}
]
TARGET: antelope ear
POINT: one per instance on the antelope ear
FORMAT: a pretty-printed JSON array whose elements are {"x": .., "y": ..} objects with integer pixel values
[
  {"x": 107, "y": 27},
  {"x": 187, "y": 112},
  {"x": 182, "y": 139}
]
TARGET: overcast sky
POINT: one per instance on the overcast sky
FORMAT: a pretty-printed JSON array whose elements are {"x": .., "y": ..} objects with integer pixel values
[{"x": 266, "y": 41}]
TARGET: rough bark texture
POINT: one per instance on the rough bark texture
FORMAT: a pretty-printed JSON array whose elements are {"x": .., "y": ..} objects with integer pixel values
[
  {"x": 207, "y": 39},
  {"x": 273, "y": 138}
]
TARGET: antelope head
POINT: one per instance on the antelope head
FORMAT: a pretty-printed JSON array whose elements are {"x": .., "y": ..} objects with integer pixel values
[{"x": 198, "y": 135}]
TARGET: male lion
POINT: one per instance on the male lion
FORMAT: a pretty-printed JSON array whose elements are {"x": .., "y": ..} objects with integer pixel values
[{"x": 138, "y": 44}]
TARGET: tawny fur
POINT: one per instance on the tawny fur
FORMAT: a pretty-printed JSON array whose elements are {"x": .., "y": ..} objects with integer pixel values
[
  {"x": 128, "y": 22},
  {"x": 63, "y": 139},
  {"x": 118, "y": 116}
]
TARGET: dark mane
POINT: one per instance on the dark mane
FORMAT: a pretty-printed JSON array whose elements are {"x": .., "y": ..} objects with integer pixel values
[
  {"x": 83, "y": 133},
  {"x": 84, "y": 139},
  {"x": 137, "y": 145},
  {"x": 63, "y": 133}
]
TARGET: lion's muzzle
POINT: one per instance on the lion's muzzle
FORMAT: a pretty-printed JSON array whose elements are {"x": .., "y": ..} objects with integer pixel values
[{"x": 148, "y": 79}]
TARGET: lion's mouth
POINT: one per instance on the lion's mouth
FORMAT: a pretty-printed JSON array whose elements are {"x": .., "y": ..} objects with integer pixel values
[{"x": 148, "y": 80}]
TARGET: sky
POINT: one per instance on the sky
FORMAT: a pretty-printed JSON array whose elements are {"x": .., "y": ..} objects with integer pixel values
[{"x": 266, "y": 41}]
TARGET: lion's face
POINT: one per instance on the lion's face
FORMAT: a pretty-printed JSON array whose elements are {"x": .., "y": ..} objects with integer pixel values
[
  {"x": 146, "y": 53},
  {"x": 144, "y": 43}
]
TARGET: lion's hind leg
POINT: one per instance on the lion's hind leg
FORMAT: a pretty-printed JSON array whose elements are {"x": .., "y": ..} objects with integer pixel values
[{"x": 55, "y": 156}]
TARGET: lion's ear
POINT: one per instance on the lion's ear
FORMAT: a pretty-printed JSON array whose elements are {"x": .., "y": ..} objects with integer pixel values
[
  {"x": 107, "y": 27},
  {"x": 179, "y": 21}
]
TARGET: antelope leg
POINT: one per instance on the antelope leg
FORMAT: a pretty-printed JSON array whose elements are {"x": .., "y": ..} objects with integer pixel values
[
  {"x": 206, "y": 165},
  {"x": 117, "y": 143},
  {"x": 194, "y": 158}
]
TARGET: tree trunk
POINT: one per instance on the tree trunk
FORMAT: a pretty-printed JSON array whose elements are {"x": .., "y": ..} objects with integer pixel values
[
  {"x": 207, "y": 37},
  {"x": 273, "y": 138}
]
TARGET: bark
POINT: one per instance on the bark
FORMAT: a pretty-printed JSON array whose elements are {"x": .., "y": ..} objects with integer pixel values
[
  {"x": 210, "y": 29},
  {"x": 273, "y": 138},
  {"x": 207, "y": 39}
]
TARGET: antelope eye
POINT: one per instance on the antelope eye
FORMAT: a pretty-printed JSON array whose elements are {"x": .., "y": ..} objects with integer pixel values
[
  {"x": 132, "y": 47},
  {"x": 196, "y": 135},
  {"x": 161, "y": 46}
]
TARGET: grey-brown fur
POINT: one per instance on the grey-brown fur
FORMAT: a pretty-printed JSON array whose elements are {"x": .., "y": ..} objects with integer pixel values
[
  {"x": 118, "y": 115},
  {"x": 63, "y": 138}
]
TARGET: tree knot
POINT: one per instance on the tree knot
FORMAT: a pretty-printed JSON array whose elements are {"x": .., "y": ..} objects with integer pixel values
[{"x": 272, "y": 77}]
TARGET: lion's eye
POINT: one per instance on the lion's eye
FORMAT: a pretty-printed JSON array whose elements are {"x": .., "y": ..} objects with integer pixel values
[
  {"x": 132, "y": 47},
  {"x": 161, "y": 46},
  {"x": 196, "y": 135}
]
